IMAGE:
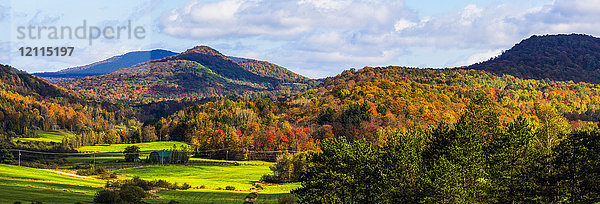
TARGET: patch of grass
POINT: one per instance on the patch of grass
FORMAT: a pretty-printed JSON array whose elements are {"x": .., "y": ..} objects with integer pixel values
[
  {"x": 27, "y": 194},
  {"x": 147, "y": 146},
  {"x": 25, "y": 173},
  {"x": 212, "y": 177},
  {"x": 213, "y": 196},
  {"x": 29, "y": 184},
  {"x": 253, "y": 163},
  {"x": 46, "y": 136}
]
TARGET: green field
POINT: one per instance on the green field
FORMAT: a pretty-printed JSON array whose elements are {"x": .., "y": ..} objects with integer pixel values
[
  {"x": 211, "y": 177},
  {"x": 28, "y": 184},
  {"x": 147, "y": 146},
  {"x": 213, "y": 196},
  {"x": 45, "y": 136}
]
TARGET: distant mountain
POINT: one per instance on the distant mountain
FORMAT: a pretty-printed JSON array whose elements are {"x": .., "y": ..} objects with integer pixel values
[
  {"x": 106, "y": 66},
  {"x": 557, "y": 57},
  {"x": 199, "y": 72}
]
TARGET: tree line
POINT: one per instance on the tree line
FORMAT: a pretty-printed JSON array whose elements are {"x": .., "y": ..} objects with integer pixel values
[{"x": 478, "y": 159}]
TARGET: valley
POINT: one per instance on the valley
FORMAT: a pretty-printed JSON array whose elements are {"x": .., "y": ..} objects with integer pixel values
[{"x": 204, "y": 127}]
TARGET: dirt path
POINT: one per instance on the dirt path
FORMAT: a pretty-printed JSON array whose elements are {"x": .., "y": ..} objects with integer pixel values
[{"x": 72, "y": 175}]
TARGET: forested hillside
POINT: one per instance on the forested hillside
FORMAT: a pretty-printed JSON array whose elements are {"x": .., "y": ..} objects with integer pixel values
[
  {"x": 573, "y": 57},
  {"x": 197, "y": 73},
  {"x": 29, "y": 103},
  {"x": 366, "y": 103}
]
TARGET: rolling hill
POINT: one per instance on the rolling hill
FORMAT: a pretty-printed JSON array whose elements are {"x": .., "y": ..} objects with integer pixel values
[
  {"x": 557, "y": 57},
  {"x": 105, "y": 66},
  {"x": 29, "y": 103},
  {"x": 199, "y": 72}
]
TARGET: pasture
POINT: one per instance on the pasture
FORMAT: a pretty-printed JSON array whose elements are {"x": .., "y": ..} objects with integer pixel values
[
  {"x": 211, "y": 177},
  {"x": 45, "y": 136},
  {"x": 206, "y": 176},
  {"x": 26, "y": 184}
]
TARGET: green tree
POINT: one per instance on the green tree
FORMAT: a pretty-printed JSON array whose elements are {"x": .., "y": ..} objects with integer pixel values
[
  {"x": 514, "y": 163},
  {"x": 342, "y": 173},
  {"x": 578, "y": 168},
  {"x": 132, "y": 153}
]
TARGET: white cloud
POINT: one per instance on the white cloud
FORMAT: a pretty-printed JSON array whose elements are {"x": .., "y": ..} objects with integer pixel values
[
  {"x": 470, "y": 14},
  {"x": 326, "y": 36},
  {"x": 285, "y": 18},
  {"x": 325, "y": 4},
  {"x": 403, "y": 24}
]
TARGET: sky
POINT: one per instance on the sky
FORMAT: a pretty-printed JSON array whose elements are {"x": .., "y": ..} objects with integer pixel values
[{"x": 315, "y": 38}]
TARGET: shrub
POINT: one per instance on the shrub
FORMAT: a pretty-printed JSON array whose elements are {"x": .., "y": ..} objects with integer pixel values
[
  {"x": 230, "y": 188},
  {"x": 270, "y": 179},
  {"x": 173, "y": 202},
  {"x": 107, "y": 196},
  {"x": 250, "y": 198},
  {"x": 185, "y": 186},
  {"x": 258, "y": 186},
  {"x": 131, "y": 194},
  {"x": 90, "y": 172}
]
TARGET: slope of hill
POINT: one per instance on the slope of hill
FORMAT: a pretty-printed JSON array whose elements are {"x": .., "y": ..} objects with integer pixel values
[
  {"x": 22, "y": 83},
  {"x": 106, "y": 66},
  {"x": 199, "y": 72},
  {"x": 29, "y": 103},
  {"x": 363, "y": 103},
  {"x": 557, "y": 57},
  {"x": 269, "y": 69}
]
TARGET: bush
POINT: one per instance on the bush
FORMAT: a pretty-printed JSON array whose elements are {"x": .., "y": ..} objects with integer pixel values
[
  {"x": 268, "y": 178},
  {"x": 230, "y": 188},
  {"x": 250, "y": 198},
  {"x": 131, "y": 194},
  {"x": 258, "y": 186},
  {"x": 90, "y": 172},
  {"x": 107, "y": 196},
  {"x": 173, "y": 202},
  {"x": 147, "y": 185},
  {"x": 185, "y": 186}
]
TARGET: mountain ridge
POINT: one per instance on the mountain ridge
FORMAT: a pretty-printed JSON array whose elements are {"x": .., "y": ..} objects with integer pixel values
[
  {"x": 106, "y": 66},
  {"x": 198, "y": 72},
  {"x": 557, "y": 57}
]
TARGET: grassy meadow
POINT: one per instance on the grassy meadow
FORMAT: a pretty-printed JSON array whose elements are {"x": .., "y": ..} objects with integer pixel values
[
  {"x": 211, "y": 177},
  {"x": 206, "y": 176},
  {"x": 26, "y": 184},
  {"x": 45, "y": 136}
]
